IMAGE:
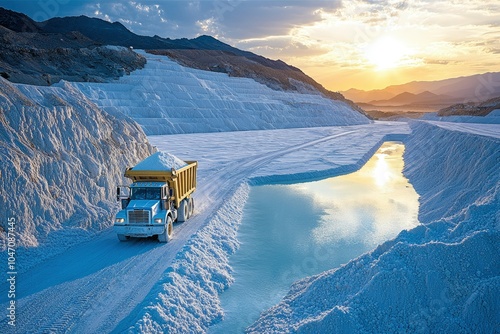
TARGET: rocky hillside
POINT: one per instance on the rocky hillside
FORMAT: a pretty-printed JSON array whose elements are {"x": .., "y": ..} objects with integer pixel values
[
  {"x": 33, "y": 56},
  {"x": 61, "y": 159},
  {"x": 471, "y": 108}
]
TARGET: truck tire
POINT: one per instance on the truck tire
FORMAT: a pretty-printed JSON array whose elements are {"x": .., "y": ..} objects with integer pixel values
[
  {"x": 183, "y": 213},
  {"x": 123, "y": 237},
  {"x": 191, "y": 206},
  {"x": 166, "y": 236}
]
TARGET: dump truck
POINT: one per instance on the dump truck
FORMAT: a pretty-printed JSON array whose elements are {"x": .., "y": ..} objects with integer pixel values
[{"x": 159, "y": 195}]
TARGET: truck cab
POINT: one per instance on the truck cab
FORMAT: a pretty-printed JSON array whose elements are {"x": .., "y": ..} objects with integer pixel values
[{"x": 146, "y": 211}]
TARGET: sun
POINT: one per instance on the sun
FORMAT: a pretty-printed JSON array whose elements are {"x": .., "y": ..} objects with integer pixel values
[{"x": 386, "y": 53}]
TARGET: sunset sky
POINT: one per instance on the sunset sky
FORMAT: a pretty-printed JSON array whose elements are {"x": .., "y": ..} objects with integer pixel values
[{"x": 341, "y": 44}]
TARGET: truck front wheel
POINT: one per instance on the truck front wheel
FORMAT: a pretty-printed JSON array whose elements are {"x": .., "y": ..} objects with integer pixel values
[{"x": 167, "y": 234}]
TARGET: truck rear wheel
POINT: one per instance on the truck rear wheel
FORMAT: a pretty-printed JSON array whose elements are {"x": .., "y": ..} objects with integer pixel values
[
  {"x": 191, "y": 206},
  {"x": 183, "y": 211},
  {"x": 166, "y": 236}
]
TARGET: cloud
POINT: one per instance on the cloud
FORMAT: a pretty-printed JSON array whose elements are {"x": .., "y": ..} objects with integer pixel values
[
  {"x": 258, "y": 19},
  {"x": 173, "y": 19},
  {"x": 231, "y": 20},
  {"x": 437, "y": 61},
  {"x": 277, "y": 47}
]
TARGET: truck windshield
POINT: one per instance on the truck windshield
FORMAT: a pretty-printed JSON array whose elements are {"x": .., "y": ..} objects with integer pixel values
[{"x": 146, "y": 193}]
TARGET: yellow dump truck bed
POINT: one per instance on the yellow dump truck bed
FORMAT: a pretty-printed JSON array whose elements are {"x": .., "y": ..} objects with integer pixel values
[{"x": 182, "y": 180}]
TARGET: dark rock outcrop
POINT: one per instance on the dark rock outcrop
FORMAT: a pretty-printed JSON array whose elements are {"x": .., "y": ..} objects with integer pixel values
[
  {"x": 471, "y": 108},
  {"x": 31, "y": 55}
]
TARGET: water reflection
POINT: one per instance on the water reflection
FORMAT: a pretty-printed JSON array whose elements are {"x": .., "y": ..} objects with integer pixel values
[
  {"x": 371, "y": 205},
  {"x": 289, "y": 232}
]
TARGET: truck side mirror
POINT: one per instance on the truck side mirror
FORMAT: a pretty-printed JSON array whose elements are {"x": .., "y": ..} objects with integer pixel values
[
  {"x": 117, "y": 193},
  {"x": 124, "y": 203}
]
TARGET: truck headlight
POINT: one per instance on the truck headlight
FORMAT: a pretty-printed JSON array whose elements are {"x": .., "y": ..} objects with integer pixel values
[
  {"x": 120, "y": 220},
  {"x": 158, "y": 220}
]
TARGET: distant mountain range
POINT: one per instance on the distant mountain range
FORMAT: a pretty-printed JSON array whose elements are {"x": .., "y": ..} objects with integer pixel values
[
  {"x": 410, "y": 98},
  {"x": 437, "y": 94},
  {"x": 35, "y": 42}
]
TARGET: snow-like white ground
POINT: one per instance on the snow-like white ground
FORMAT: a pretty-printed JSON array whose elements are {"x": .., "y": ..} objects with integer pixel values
[
  {"x": 97, "y": 284},
  {"x": 101, "y": 286},
  {"x": 441, "y": 275},
  {"x": 167, "y": 98}
]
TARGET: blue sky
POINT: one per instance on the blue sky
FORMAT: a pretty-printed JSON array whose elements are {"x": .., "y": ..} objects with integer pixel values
[
  {"x": 235, "y": 19},
  {"x": 342, "y": 44}
]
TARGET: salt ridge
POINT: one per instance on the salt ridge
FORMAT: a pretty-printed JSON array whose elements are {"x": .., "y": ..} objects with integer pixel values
[{"x": 167, "y": 98}]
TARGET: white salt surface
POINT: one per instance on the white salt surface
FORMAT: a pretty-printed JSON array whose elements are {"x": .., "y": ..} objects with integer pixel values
[
  {"x": 440, "y": 277},
  {"x": 167, "y": 98}
]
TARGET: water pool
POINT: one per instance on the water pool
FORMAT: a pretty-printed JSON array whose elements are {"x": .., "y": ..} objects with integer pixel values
[{"x": 289, "y": 232}]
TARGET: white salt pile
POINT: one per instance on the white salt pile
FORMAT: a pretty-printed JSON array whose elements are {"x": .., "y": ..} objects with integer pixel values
[{"x": 160, "y": 161}]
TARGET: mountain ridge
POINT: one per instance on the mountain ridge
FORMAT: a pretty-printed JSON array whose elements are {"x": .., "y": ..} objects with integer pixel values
[
  {"x": 406, "y": 98},
  {"x": 476, "y": 87}
]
